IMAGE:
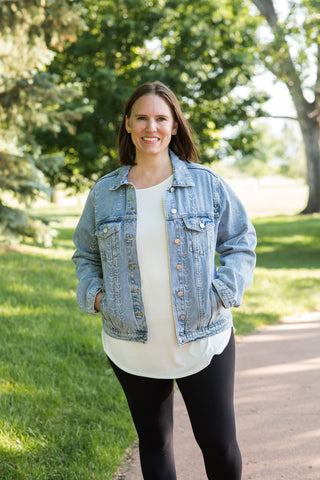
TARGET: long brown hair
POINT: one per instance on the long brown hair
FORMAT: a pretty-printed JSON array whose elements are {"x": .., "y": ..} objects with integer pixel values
[{"x": 181, "y": 144}]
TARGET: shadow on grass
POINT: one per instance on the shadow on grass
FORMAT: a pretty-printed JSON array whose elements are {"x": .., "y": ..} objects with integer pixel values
[{"x": 247, "y": 323}]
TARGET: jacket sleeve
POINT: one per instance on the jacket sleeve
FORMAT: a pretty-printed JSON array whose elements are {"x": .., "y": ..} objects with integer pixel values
[
  {"x": 236, "y": 242},
  {"x": 87, "y": 258}
]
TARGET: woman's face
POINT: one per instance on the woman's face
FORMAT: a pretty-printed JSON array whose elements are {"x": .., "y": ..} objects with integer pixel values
[{"x": 151, "y": 125}]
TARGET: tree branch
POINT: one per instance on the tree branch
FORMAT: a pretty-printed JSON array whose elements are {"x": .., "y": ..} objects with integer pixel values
[
  {"x": 284, "y": 117},
  {"x": 317, "y": 85},
  {"x": 266, "y": 9},
  {"x": 282, "y": 65}
]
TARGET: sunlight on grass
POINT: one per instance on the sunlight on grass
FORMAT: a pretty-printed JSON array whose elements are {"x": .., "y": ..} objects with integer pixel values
[{"x": 12, "y": 442}]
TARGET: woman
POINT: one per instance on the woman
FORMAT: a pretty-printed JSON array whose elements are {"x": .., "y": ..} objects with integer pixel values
[{"x": 145, "y": 259}]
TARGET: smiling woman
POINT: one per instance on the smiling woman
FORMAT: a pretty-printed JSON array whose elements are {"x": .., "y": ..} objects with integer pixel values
[{"x": 145, "y": 259}]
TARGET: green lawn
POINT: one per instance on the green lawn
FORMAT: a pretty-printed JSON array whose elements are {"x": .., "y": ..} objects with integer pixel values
[
  {"x": 62, "y": 413},
  {"x": 287, "y": 276}
]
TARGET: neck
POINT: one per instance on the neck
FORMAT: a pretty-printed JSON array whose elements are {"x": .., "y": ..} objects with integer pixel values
[{"x": 150, "y": 171}]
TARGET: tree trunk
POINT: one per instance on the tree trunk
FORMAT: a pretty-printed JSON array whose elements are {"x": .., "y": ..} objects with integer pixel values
[
  {"x": 310, "y": 129},
  {"x": 311, "y": 135},
  {"x": 54, "y": 194},
  {"x": 283, "y": 67}
]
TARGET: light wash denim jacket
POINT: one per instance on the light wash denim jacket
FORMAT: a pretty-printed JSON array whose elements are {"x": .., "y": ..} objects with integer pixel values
[{"x": 203, "y": 216}]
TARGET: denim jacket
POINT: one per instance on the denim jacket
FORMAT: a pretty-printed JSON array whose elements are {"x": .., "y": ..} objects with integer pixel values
[{"x": 203, "y": 216}]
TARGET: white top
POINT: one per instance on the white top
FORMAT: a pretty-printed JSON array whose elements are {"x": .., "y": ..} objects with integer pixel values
[{"x": 160, "y": 356}]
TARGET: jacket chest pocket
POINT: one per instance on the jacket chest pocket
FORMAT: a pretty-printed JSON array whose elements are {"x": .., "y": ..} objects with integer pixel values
[
  {"x": 108, "y": 235},
  {"x": 200, "y": 234}
]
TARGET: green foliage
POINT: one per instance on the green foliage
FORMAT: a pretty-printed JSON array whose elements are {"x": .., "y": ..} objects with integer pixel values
[
  {"x": 204, "y": 51},
  {"x": 107, "y": 54},
  {"x": 31, "y": 98}
]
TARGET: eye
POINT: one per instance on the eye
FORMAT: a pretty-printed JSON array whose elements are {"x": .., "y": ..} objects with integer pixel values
[
  {"x": 141, "y": 118},
  {"x": 162, "y": 119}
]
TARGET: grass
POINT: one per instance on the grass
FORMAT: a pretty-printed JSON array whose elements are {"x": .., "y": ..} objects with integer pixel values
[
  {"x": 287, "y": 276},
  {"x": 62, "y": 413}
]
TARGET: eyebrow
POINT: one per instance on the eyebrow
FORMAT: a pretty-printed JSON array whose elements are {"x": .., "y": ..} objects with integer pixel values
[{"x": 145, "y": 115}]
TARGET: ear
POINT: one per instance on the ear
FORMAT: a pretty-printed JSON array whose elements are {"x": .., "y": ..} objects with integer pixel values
[
  {"x": 127, "y": 124},
  {"x": 174, "y": 128}
]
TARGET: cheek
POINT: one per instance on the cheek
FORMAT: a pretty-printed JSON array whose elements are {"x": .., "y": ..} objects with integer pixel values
[{"x": 136, "y": 129}]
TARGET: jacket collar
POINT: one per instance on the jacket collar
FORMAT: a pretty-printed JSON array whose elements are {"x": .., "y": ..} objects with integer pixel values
[{"x": 181, "y": 174}]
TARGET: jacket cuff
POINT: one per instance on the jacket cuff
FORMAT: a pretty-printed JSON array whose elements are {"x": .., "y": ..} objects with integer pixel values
[
  {"x": 91, "y": 296},
  {"x": 225, "y": 294}
]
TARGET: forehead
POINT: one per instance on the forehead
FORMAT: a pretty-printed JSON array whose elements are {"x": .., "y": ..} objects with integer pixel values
[{"x": 151, "y": 104}]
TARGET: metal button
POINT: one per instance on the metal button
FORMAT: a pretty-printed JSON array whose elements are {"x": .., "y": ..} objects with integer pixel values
[
  {"x": 180, "y": 294},
  {"x": 105, "y": 230},
  {"x": 174, "y": 210},
  {"x": 182, "y": 317},
  {"x": 172, "y": 189},
  {"x": 179, "y": 267},
  {"x": 201, "y": 225},
  {"x": 177, "y": 241}
]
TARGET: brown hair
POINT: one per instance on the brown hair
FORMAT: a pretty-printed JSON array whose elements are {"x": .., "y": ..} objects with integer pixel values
[{"x": 181, "y": 144}]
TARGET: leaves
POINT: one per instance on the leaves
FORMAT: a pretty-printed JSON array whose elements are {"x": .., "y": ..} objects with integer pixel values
[
  {"x": 202, "y": 50},
  {"x": 32, "y": 99}
]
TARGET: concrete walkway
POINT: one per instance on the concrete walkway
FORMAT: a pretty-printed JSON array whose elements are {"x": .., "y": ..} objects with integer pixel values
[{"x": 277, "y": 398}]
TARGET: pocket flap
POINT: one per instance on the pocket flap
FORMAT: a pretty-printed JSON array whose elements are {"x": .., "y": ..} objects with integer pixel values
[
  {"x": 199, "y": 224},
  {"x": 106, "y": 229}
]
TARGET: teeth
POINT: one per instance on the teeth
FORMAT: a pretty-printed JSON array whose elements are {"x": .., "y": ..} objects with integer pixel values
[{"x": 150, "y": 139}]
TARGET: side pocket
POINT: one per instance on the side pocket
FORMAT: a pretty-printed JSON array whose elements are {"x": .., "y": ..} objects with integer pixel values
[{"x": 215, "y": 301}]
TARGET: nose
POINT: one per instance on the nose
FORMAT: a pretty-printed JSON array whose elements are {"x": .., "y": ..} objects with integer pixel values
[{"x": 152, "y": 126}]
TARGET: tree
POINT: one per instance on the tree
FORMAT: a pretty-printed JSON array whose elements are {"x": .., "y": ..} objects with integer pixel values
[
  {"x": 31, "y": 98},
  {"x": 292, "y": 54},
  {"x": 105, "y": 61},
  {"x": 203, "y": 50}
]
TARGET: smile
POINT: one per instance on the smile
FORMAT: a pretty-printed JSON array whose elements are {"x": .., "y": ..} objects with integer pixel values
[{"x": 150, "y": 139}]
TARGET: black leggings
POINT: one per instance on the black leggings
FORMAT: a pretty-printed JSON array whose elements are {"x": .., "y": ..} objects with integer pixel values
[{"x": 208, "y": 396}]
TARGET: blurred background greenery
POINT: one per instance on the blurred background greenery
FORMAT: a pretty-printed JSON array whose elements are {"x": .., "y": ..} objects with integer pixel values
[{"x": 66, "y": 68}]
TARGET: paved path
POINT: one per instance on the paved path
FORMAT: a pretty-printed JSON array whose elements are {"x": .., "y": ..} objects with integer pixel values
[{"x": 277, "y": 404}]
